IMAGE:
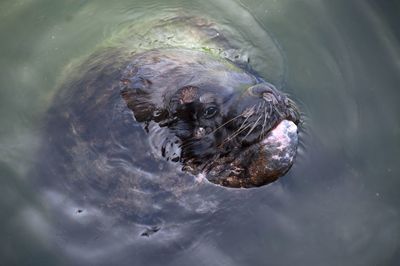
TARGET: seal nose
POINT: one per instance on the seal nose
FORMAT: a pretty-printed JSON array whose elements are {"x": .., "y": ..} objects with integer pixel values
[{"x": 266, "y": 91}]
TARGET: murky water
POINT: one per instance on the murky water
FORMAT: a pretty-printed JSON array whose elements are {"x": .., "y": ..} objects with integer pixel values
[{"x": 339, "y": 204}]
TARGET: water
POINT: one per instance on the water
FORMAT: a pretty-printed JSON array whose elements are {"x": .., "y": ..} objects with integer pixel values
[{"x": 338, "y": 205}]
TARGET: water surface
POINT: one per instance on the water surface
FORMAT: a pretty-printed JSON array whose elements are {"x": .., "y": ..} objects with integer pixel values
[{"x": 338, "y": 205}]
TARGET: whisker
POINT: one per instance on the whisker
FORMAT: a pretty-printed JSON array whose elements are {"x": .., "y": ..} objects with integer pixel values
[
  {"x": 242, "y": 127},
  {"x": 278, "y": 111},
  {"x": 254, "y": 126},
  {"x": 227, "y": 122},
  {"x": 234, "y": 134},
  {"x": 265, "y": 121},
  {"x": 247, "y": 118},
  {"x": 259, "y": 106},
  {"x": 237, "y": 132}
]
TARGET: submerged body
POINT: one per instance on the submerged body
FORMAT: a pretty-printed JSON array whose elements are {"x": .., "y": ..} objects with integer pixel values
[{"x": 195, "y": 107}]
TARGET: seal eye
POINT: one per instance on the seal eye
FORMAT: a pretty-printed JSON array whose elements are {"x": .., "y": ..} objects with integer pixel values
[{"x": 210, "y": 112}]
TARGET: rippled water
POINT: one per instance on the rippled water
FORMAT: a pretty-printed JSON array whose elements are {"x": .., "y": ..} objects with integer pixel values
[{"x": 338, "y": 205}]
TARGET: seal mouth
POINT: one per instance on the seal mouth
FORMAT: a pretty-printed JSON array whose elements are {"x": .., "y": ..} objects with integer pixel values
[
  {"x": 259, "y": 163},
  {"x": 279, "y": 147}
]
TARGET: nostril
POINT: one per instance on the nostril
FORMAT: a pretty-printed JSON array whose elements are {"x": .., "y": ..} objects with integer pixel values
[
  {"x": 269, "y": 97},
  {"x": 259, "y": 90}
]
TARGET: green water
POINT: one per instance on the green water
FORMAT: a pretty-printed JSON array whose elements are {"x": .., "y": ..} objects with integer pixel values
[{"x": 339, "y": 205}]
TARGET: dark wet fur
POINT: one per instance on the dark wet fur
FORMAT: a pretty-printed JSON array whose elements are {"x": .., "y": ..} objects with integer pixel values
[{"x": 167, "y": 87}]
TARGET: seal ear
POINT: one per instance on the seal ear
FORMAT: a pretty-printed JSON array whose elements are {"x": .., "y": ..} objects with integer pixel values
[
  {"x": 139, "y": 104},
  {"x": 135, "y": 90}
]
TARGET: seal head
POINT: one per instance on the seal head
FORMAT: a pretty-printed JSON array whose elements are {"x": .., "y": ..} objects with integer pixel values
[{"x": 215, "y": 118}]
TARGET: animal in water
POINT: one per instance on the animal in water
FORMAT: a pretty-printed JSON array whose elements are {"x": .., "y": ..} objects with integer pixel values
[{"x": 178, "y": 93}]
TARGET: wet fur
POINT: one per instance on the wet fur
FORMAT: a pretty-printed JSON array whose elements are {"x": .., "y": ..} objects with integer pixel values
[{"x": 175, "y": 87}]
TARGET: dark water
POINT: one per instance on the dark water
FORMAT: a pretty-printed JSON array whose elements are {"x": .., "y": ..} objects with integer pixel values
[{"x": 339, "y": 204}]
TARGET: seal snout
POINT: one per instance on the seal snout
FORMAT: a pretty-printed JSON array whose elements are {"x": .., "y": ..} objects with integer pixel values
[
  {"x": 260, "y": 109},
  {"x": 284, "y": 107}
]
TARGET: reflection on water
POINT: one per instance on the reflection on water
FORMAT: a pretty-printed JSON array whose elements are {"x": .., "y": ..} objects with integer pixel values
[{"x": 337, "y": 206}]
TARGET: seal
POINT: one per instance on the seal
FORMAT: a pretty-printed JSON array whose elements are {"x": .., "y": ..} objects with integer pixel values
[
  {"x": 194, "y": 103},
  {"x": 218, "y": 118}
]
